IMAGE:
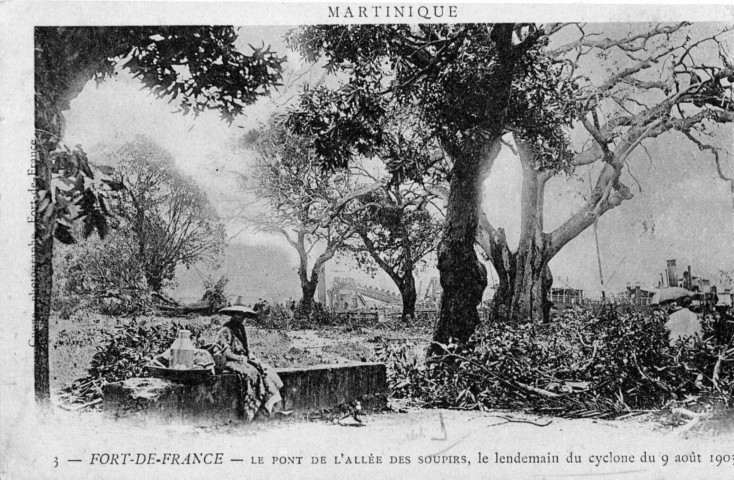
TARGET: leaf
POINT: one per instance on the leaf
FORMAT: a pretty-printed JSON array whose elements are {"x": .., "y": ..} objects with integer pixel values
[{"x": 62, "y": 233}]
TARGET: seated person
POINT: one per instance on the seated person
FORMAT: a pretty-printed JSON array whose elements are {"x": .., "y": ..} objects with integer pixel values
[
  {"x": 261, "y": 385},
  {"x": 682, "y": 322}
]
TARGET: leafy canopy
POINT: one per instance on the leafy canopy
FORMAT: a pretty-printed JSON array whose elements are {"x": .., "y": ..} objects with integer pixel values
[
  {"x": 445, "y": 76},
  {"x": 396, "y": 229},
  {"x": 198, "y": 67}
]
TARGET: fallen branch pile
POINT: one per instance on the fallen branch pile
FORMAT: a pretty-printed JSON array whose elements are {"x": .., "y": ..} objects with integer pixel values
[
  {"x": 121, "y": 355},
  {"x": 582, "y": 365}
]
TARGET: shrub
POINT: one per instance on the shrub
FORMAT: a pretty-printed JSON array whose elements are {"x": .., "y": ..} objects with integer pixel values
[
  {"x": 102, "y": 274},
  {"x": 273, "y": 315},
  {"x": 405, "y": 374},
  {"x": 215, "y": 294},
  {"x": 280, "y": 316},
  {"x": 124, "y": 352},
  {"x": 320, "y": 315}
]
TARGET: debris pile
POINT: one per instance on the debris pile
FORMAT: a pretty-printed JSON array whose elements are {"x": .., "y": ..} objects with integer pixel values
[
  {"x": 123, "y": 354},
  {"x": 581, "y": 365}
]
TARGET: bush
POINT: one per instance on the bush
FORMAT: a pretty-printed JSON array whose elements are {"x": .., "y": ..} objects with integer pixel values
[
  {"x": 320, "y": 315},
  {"x": 124, "y": 352},
  {"x": 215, "y": 294},
  {"x": 102, "y": 274},
  {"x": 581, "y": 365},
  {"x": 273, "y": 315},
  {"x": 283, "y": 317}
]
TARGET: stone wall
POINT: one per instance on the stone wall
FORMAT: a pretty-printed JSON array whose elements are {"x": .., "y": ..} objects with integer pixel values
[{"x": 218, "y": 399}]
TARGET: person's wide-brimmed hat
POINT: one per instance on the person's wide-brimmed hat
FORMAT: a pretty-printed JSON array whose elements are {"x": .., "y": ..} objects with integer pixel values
[
  {"x": 238, "y": 306},
  {"x": 669, "y": 294}
]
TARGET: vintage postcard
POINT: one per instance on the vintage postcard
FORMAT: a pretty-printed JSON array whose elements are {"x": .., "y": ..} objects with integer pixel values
[{"x": 366, "y": 240}]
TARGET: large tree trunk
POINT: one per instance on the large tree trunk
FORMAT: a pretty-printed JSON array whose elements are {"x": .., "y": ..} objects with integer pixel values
[
  {"x": 508, "y": 290},
  {"x": 495, "y": 247},
  {"x": 43, "y": 283},
  {"x": 463, "y": 276},
  {"x": 53, "y": 98},
  {"x": 524, "y": 276},
  {"x": 409, "y": 296},
  {"x": 529, "y": 292},
  {"x": 308, "y": 285},
  {"x": 155, "y": 281},
  {"x": 308, "y": 290}
]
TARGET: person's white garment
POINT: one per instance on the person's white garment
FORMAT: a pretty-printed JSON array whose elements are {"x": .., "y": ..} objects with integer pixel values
[{"x": 683, "y": 323}]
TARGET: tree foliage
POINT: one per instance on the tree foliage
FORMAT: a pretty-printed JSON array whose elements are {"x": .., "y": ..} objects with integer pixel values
[
  {"x": 463, "y": 86},
  {"x": 168, "y": 214},
  {"x": 443, "y": 75},
  {"x": 396, "y": 225},
  {"x": 297, "y": 200},
  {"x": 396, "y": 231},
  {"x": 105, "y": 274},
  {"x": 199, "y": 67}
]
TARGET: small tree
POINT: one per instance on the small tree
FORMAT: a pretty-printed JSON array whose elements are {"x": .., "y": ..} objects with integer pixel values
[
  {"x": 397, "y": 231},
  {"x": 300, "y": 201},
  {"x": 171, "y": 217},
  {"x": 199, "y": 66}
]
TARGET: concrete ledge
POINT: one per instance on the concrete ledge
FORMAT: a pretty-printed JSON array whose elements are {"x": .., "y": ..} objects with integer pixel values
[
  {"x": 214, "y": 401},
  {"x": 327, "y": 386},
  {"x": 217, "y": 400}
]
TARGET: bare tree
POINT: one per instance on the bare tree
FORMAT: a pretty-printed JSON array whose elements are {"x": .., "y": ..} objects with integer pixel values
[
  {"x": 657, "y": 79},
  {"x": 300, "y": 201},
  {"x": 170, "y": 216}
]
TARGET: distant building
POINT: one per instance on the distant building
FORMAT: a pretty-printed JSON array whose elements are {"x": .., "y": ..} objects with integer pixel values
[
  {"x": 637, "y": 295},
  {"x": 687, "y": 280},
  {"x": 564, "y": 293},
  {"x": 726, "y": 280},
  {"x": 347, "y": 294},
  {"x": 321, "y": 286},
  {"x": 672, "y": 274}
]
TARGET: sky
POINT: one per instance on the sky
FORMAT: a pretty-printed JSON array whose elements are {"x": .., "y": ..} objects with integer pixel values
[{"x": 681, "y": 210}]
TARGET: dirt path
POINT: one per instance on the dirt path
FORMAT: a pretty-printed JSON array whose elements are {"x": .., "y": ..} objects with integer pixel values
[{"x": 437, "y": 443}]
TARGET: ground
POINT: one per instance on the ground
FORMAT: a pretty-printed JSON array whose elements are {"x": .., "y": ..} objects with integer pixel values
[
  {"x": 73, "y": 343},
  {"x": 437, "y": 443}
]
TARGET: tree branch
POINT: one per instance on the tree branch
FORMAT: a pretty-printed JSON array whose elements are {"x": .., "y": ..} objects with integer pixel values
[
  {"x": 339, "y": 206},
  {"x": 627, "y": 44}
]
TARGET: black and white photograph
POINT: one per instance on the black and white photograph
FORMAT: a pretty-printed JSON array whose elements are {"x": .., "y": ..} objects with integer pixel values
[{"x": 381, "y": 240}]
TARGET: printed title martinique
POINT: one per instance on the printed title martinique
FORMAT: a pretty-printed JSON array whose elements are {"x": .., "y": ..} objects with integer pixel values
[{"x": 426, "y": 12}]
